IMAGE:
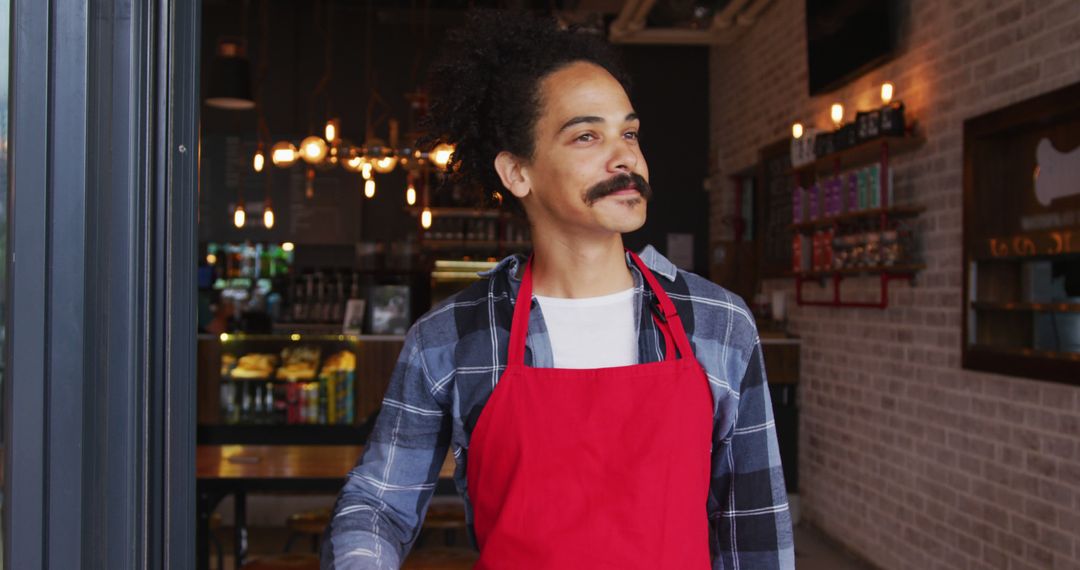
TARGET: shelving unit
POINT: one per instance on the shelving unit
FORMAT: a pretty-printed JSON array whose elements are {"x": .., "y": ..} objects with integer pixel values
[
  {"x": 1021, "y": 287},
  {"x": 884, "y": 217},
  {"x": 473, "y": 232}
]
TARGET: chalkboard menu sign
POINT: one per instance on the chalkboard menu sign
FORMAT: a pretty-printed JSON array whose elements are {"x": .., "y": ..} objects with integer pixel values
[{"x": 776, "y": 184}]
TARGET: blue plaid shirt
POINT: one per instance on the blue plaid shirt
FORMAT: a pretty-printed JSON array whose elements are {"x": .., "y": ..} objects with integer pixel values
[{"x": 452, "y": 359}]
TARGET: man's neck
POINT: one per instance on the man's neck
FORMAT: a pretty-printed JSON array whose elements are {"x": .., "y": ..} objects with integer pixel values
[{"x": 575, "y": 269}]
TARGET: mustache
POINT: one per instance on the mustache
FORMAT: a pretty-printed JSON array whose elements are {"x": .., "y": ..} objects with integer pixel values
[{"x": 619, "y": 182}]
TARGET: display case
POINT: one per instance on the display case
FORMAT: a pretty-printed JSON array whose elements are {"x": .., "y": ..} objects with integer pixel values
[
  {"x": 294, "y": 388},
  {"x": 1022, "y": 239}
]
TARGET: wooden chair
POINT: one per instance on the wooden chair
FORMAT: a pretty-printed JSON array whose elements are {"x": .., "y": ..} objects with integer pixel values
[{"x": 309, "y": 523}]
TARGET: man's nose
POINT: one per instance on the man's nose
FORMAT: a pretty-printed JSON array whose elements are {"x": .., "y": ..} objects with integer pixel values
[{"x": 623, "y": 158}]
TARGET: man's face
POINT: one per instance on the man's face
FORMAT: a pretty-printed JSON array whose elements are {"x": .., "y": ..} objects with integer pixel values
[{"x": 587, "y": 175}]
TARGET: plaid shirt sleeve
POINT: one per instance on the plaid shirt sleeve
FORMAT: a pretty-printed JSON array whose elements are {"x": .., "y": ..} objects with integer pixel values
[
  {"x": 379, "y": 512},
  {"x": 748, "y": 510}
]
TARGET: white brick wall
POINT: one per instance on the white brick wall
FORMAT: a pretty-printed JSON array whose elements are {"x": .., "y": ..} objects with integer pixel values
[{"x": 905, "y": 457}]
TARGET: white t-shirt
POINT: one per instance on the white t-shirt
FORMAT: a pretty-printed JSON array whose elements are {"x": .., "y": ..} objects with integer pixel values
[{"x": 594, "y": 332}]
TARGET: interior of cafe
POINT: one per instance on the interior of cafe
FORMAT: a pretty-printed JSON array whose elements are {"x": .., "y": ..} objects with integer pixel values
[{"x": 890, "y": 186}]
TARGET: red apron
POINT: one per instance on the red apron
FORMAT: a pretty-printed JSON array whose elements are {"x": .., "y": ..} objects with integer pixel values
[{"x": 602, "y": 468}]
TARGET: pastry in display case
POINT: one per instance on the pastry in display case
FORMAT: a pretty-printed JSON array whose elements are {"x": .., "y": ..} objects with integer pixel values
[{"x": 283, "y": 382}]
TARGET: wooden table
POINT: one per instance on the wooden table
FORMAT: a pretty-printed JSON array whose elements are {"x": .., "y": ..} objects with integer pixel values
[{"x": 236, "y": 470}]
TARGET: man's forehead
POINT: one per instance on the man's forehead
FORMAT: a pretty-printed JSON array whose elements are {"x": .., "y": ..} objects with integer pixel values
[{"x": 584, "y": 90}]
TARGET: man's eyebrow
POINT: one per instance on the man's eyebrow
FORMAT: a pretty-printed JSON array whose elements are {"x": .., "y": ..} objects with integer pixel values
[{"x": 592, "y": 119}]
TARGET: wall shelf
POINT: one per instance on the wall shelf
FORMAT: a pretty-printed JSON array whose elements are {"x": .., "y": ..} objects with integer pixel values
[
  {"x": 885, "y": 275},
  {"x": 1026, "y": 307},
  {"x": 869, "y": 152},
  {"x": 865, "y": 152},
  {"x": 892, "y": 212}
]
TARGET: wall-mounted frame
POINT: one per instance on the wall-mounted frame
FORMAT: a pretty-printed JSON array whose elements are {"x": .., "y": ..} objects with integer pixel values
[{"x": 1021, "y": 301}]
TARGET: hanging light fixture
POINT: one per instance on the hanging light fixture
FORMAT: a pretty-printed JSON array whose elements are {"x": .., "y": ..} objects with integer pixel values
[
  {"x": 410, "y": 192},
  {"x": 239, "y": 215},
  {"x": 369, "y": 188},
  {"x": 283, "y": 154},
  {"x": 230, "y": 78},
  {"x": 425, "y": 218},
  {"x": 313, "y": 150},
  {"x": 332, "y": 131},
  {"x": 259, "y": 160},
  {"x": 441, "y": 154},
  {"x": 268, "y": 214}
]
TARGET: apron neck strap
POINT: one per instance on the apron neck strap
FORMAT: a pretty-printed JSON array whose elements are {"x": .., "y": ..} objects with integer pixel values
[
  {"x": 519, "y": 327},
  {"x": 668, "y": 317},
  {"x": 668, "y": 314}
]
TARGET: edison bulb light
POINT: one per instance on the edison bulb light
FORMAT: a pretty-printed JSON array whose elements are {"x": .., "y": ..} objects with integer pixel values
[
  {"x": 797, "y": 130},
  {"x": 283, "y": 154},
  {"x": 425, "y": 218},
  {"x": 239, "y": 216},
  {"x": 410, "y": 194},
  {"x": 259, "y": 161},
  {"x": 837, "y": 114},
  {"x": 268, "y": 217},
  {"x": 354, "y": 164},
  {"x": 369, "y": 188},
  {"x": 313, "y": 149},
  {"x": 440, "y": 155},
  {"x": 331, "y": 130},
  {"x": 886, "y": 93},
  {"x": 365, "y": 170},
  {"x": 385, "y": 164}
]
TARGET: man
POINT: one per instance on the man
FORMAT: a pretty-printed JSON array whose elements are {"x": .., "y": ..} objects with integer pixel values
[{"x": 604, "y": 411}]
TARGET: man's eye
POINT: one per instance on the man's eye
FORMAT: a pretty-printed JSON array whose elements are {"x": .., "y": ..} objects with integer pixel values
[
  {"x": 632, "y": 135},
  {"x": 586, "y": 137}
]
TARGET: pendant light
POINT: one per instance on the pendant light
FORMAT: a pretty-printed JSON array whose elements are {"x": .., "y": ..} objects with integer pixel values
[
  {"x": 268, "y": 214},
  {"x": 239, "y": 215},
  {"x": 230, "y": 78}
]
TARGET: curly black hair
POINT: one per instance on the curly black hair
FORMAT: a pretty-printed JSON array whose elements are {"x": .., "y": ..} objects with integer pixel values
[{"x": 486, "y": 92}]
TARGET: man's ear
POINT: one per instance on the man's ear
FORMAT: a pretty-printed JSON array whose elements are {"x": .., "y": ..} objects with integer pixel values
[{"x": 511, "y": 172}]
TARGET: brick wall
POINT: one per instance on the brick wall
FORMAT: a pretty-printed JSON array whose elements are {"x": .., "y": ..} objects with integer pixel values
[{"x": 905, "y": 457}]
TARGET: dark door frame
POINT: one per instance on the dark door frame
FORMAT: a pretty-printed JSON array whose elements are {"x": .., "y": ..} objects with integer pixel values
[{"x": 99, "y": 392}]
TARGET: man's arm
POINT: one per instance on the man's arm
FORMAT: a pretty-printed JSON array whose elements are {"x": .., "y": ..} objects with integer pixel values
[
  {"x": 748, "y": 511},
  {"x": 379, "y": 511}
]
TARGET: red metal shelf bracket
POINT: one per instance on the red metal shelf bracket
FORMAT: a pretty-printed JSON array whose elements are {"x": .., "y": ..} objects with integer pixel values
[{"x": 836, "y": 278}]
